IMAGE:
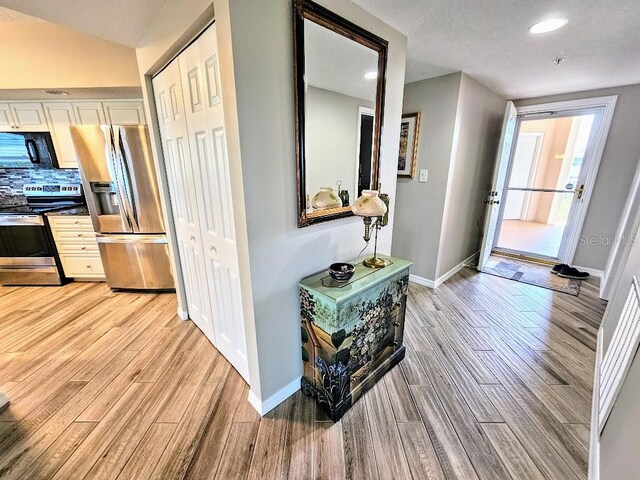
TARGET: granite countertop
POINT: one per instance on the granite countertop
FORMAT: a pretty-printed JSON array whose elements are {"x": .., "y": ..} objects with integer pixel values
[{"x": 77, "y": 211}]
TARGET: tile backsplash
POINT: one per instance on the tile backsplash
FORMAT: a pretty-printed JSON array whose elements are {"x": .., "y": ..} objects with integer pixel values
[{"x": 12, "y": 180}]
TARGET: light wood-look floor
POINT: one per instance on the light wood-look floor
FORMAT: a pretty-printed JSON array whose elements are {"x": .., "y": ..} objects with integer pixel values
[{"x": 496, "y": 384}]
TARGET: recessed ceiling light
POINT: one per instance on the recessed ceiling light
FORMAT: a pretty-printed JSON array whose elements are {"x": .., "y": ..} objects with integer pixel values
[
  {"x": 549, "y": 25},
  {"x": 371, "y": 75},
  {"x": 56, "y": 92}
]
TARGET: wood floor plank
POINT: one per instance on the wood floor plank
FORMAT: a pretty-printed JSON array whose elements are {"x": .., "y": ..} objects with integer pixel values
[
  {"x": 387, "y": 446},
  {"x": 480, "y": 405},
  {"x": 328, "y": 452},
  {"x": 453, "y": 458},
  {"x": 483, "y": 456},
  {"x": 356, "y": 434},
  {"x": 402, "y": 404},
  {"x": 513, "y": 454},
  {"x": 541, "y": 451},
  {"x": 148, "y": 452},
  {"x": 91, "y": 449},
  {"x": 422, "y": 458},
  {"x": 540, "y": 415},
  {"x": 238, "y": 453},
  {"x": 59, "y": 452},
  {"x": 429, "y": 417}
]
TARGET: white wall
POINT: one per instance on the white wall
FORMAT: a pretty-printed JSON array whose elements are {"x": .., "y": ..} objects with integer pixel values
[
  {"x": 420, "y": 206},
  {"x": 331, "y": 140},
  {"x": 281, "y": 254},
  {"x": 45, "y": 55},
  {"x": 616, "y": 171}
]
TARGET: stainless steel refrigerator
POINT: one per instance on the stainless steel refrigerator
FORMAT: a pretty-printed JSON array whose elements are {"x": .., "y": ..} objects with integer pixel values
[{"x": 122, "y": 194}]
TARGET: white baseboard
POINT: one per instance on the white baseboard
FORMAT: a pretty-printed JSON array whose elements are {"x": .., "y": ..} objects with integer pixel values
[
  {"x": 594, "y": 435},
  {"x": 265, "y": 406},
  {"x": 591, "y": 271},
  {"x": 422, "y": 281},
  {"x": 443, "y": 278},
  {"x": 183, "y": 314}
]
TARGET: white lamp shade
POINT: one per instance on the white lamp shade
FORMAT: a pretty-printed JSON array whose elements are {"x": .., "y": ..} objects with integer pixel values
[{"x": 369, "y": 204}]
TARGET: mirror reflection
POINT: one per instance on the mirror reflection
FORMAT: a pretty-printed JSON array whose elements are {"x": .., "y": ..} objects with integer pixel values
[{"x": 340, "y": 100}]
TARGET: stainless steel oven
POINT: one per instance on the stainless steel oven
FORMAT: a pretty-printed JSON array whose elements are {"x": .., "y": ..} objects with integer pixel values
[
  {"x": 27, "y": 251},
  {"x": 28, "y": 254}
]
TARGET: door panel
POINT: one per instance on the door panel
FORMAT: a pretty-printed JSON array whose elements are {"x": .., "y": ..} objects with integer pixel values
[
  {"x": 29, "y": 117},
  {"x": 181, "y": 177},
  {"x": 61, "y": 116},
  {"x": 205, "y": 119},
  {"x": 499, "y": 176}
]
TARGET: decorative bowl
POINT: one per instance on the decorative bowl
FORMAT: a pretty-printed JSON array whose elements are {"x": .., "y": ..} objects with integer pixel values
[{"x": 341, "y": 272}]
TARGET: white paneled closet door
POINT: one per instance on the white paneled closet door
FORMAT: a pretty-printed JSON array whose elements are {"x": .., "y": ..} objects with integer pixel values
[
  {"x": 205, "y": 119},
  {"x": 181, "y": 177}
]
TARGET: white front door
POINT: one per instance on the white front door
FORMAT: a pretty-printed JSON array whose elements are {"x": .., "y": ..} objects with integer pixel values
[
  {"x": 182, "y": 177},
  {"x": 499, "y": 176},
  {"x": 205, "y": 117}
]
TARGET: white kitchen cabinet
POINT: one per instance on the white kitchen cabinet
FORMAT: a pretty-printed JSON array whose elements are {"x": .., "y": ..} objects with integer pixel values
[
  {"x": 6, "y": 119},
  {"x": 26, "y": 117},
  {"x": 89, "y": 113},
  {"x": 124, "y": 112},
  {"x": 29, "y": 117},
  {"x": 77, "y": 247},
  {"x": 60, "y": 116}
]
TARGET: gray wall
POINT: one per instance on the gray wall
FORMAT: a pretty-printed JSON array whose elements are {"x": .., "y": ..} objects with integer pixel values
[
  {"x": 439, "y": 223},
  {"x": 331, "y": 141},
  {"x": 616, "y": 171},
  {"x": 420, "y": 206},
  {"x": 478, "y": 128},
  {"x": 280, "y": 253}
]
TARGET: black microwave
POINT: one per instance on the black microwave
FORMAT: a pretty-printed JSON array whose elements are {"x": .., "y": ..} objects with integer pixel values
[{"x": 27, "y": 150}]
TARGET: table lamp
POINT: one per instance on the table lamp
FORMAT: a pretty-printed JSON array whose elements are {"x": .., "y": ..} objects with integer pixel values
[{"x": 373, "y": 209}]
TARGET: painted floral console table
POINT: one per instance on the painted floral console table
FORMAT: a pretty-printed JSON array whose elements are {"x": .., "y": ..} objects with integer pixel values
[{"x": 352, "y": 332}]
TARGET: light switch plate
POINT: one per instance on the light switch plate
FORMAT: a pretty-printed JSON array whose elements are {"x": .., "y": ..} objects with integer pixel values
[{"x": 422, "y": 178}]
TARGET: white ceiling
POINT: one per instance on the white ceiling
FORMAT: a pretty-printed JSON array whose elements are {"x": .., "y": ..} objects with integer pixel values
[
  {"x": 338, "y": 64},
  {"x": 490, "y": 41},
  {"x": 11, "y": 16},
  {"x": 120, "y": 21}
]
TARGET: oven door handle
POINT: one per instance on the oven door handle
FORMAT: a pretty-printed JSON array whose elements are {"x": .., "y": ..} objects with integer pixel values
[{"x": 14, "y": 221}]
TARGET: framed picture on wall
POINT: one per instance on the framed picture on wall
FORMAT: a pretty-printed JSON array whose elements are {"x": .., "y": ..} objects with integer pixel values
[{"x": 408, "y": 151}]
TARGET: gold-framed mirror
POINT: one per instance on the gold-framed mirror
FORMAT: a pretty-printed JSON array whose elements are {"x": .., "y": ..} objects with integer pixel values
[{"x": 339, "y": 73}]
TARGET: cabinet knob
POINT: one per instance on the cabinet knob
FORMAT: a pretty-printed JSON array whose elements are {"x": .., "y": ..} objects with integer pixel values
[
  {"x": 396, "y": 324},
  {"x": 84, "y": 248}
]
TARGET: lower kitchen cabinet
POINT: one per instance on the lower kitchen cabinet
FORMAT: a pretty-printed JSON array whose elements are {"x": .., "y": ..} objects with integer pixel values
[
  {"x": 77, "y": 247},
  {"x": 352, "y": 333}
]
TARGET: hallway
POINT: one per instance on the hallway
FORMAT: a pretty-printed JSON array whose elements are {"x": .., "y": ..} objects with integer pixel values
[{"x": 496, "y": 384}]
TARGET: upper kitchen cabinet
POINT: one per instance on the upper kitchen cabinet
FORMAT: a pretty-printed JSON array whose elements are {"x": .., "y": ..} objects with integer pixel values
[
  {"x": 89, "y": 113},
  {"x": 124, "y": 112},
  {"x": 28, "y": 117},
  {"x": 6, "y": 119},
  {"x": 61, "y": 116}
]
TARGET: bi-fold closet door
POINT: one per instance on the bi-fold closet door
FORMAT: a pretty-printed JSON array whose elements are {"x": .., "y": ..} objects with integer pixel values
[{"x": 191, "y": 120}]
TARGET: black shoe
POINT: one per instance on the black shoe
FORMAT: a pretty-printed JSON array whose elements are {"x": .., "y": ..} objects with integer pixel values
[
  {"x": 570, "y": 272},
  {"x": 556, "y": 268}
]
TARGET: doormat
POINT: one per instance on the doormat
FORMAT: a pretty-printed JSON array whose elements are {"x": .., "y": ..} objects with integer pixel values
[{"x": 532, "y": 273}]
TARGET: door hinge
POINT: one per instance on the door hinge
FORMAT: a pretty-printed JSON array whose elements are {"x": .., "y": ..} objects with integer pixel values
[{"x": 580, "y": 191}]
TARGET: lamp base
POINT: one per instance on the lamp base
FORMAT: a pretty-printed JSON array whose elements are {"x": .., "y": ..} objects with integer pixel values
[{"x": 374, "y": 262}]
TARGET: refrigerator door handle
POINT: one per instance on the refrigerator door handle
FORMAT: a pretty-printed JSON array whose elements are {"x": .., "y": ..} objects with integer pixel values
[
  {"x": 123, "y": 179},
  {"x": 100, "y": 238}
]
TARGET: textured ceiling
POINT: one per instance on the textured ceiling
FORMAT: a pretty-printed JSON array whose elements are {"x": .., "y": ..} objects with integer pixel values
[
  {"x": 120, "y": 21},
  {"x": 490, "y": 41},
  {"x": 11, "y": 16}
]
